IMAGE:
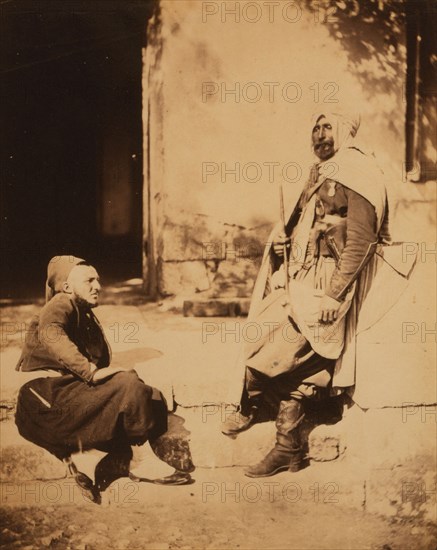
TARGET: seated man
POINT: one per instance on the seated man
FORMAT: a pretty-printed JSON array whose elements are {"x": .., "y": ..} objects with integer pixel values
[
  {"x": 310, "y": 287},
  {"x": 89, "y": 405}
]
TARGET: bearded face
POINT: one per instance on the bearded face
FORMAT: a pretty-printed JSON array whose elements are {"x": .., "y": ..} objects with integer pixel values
[
  {"x": 323, "y": 139},
  {"x": 84, "y": 285}
]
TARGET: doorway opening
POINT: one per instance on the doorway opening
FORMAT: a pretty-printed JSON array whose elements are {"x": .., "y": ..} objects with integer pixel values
[{"x": 72, "y": 138}]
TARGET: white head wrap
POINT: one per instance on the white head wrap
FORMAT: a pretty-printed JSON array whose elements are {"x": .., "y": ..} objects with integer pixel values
[{"x": 344, "y": 126}]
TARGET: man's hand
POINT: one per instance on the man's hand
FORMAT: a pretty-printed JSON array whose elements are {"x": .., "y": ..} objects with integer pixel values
[
  {"x": 329, "y": 307},
  {"x": 103, "y": 374},
  {"x": 278, "y": 244}
]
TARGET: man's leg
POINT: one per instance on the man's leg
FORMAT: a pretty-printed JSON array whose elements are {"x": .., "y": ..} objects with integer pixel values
[
  {"x": 291, "y": 389},
  {"x": 243, "y": 419},
  {"x": 287, "y": 454},
  {"x": 147, "y": 465}
]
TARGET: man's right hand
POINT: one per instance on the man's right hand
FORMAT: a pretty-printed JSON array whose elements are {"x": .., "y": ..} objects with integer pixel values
[
  {"x": 107, "y": 372},
  {"x": 278, "y": 244}
]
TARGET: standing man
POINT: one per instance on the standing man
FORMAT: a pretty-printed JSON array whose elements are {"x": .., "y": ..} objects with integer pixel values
[
  {"x": 90, "y": 406},
  {"x": 311, "y": 283}
]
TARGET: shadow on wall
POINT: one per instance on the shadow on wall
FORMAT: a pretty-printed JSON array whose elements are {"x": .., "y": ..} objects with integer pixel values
[
  {"x": 373, "y": 37},
  {"x": 372, "y": 34}
]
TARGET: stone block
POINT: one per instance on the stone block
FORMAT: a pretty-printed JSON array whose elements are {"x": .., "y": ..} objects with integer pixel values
[
  {"x": 216, "y": 307},
  {"x": 398, "y": 351},
  {"x": 188, "y": 237},
  {"x": 182, "y": 277},
  {"x": 390, "y": 435},
  {"x": 325, "y": 443},
  {"x": 22, "y": 461},
  {"x": 235, "y": 278},
  {"x": 197, "y": 252},
  {"x": 206, "y": 308},
  {"x": 205, "y": 361},
  {"x": 211, "y": 449},
  {"x": 241, "y": 243},
  {"x": 393, "y": 450}
]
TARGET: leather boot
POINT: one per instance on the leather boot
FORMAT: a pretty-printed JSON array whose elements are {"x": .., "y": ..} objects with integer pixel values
[
  {"x": 287, "y": 453},
  {"x": 237, "y": 422}
]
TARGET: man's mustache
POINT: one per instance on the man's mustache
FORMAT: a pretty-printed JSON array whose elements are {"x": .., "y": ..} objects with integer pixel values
[{"x": 323, "y": 142}]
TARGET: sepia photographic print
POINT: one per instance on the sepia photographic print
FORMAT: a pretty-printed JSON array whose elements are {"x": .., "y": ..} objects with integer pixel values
[{"x": 218, "y": 274}]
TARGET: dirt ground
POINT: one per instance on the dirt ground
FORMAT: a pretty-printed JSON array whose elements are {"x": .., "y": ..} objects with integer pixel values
[{"x": 222, "y": 509}]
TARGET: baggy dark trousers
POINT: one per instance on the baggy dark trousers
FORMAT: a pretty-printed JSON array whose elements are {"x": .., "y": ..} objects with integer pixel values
[
  {"x": 65, "y": 415},
  {"x": 269, "y": 392}
]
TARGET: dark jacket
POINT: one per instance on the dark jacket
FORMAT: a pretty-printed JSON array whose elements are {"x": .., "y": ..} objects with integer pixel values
[
  {"x": 66, "y": 338},
  {"x": 356, "y": 238},
  {"x": 360, "y": 239}
]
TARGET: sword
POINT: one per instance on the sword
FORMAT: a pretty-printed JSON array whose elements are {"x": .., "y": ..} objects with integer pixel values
[{"x": 281, "y": 207}]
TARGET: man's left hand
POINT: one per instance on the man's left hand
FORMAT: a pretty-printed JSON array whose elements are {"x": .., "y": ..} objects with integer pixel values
[{"x": 329, "y": 307}]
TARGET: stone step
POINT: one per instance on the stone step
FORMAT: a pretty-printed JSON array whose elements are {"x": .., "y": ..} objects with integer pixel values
[
  {"x": 22, "y": 461},
  {"x": 194, "y": 439},
  {"x": 223, "y": 307},
  {"x": 211, "y": 449}
]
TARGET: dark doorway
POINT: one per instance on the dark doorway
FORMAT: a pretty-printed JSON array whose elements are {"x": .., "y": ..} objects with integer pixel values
[{"x": 71, "y": 137}]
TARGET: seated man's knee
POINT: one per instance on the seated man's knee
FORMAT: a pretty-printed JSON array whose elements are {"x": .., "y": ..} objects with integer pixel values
[{"x": 128, "y": 378}]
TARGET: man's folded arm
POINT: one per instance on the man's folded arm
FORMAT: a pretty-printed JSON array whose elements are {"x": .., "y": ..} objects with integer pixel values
[
  {"x": 53, "y": 323},
  {"x": 361, "y": 240}
]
